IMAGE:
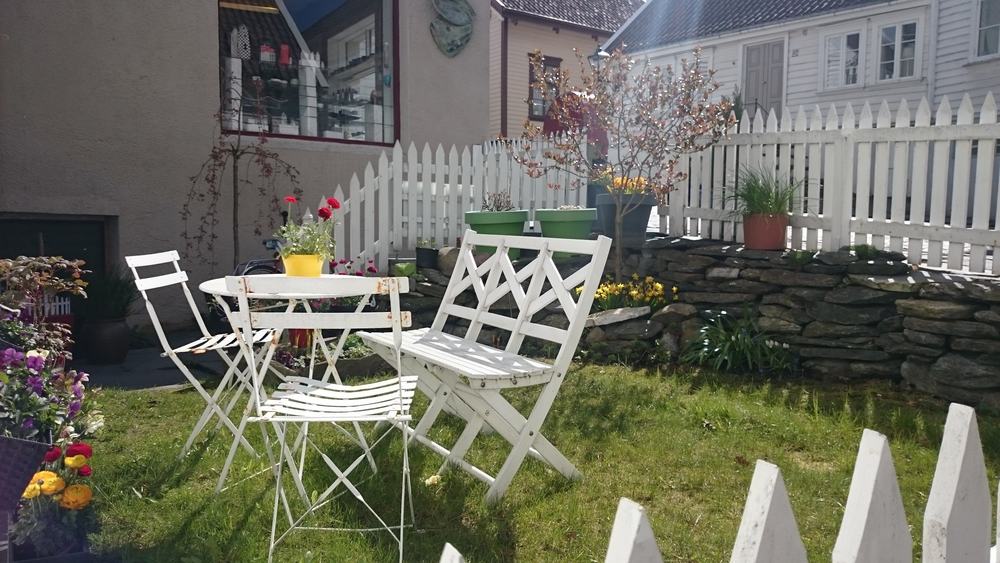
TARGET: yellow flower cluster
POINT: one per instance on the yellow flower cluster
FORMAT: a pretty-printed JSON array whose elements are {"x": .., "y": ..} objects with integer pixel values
[
  {"x": 634, "y": 293},
  {"x": 629, "y": 185}
]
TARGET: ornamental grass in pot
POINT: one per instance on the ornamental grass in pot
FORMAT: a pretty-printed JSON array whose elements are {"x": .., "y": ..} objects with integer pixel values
[
  {"x": 763, "y": 201},
  {"x": 307, "y": 245},
  {"x": 106, "y": 334}
]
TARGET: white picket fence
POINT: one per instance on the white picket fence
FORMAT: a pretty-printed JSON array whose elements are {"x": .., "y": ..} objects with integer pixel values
[
  {"x": 909, "y": 181},
  {"x": 427, "y": 192},
  {"x": 958, "y": 519}
]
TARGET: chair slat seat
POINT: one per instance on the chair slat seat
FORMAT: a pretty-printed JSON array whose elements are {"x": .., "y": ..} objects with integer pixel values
[
  {"x": 481, "y": 366},
  {"x": 311, "y": 400},
  {"x": 220, "y": 342}
]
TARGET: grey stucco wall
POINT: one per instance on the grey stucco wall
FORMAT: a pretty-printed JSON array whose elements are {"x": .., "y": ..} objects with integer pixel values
[{"x": 106, "y": 109}]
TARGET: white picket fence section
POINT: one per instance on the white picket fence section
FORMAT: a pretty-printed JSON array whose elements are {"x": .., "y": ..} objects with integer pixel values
[
  {"x": 416, "y": 194},
  {"x": 910, "y": 181},
  {"x": 958, "y": 518},
  {"x": 907, "y": 181}
]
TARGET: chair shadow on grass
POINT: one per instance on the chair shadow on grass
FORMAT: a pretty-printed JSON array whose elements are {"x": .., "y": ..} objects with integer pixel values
[{"x": 440, "y": 511}]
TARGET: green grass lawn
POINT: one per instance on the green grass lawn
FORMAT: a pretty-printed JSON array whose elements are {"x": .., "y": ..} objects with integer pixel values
[{"x": 683, "y": 444}]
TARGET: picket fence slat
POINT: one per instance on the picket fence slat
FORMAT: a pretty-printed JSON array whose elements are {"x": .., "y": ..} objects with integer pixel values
[
  {"x": 768, "y": 531},
  {"x": 960, "y": 180},
  {"x": 874, "y": 527},
  {"x": 958, "y": 517},
  {"x": 918, "y": 198},
  {"x": 985, "y": 149},
  {"x": 939, "y": 181},
  {"x": 900, "y": 169}
]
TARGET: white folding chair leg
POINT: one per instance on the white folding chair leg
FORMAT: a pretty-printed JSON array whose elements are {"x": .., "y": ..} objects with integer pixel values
[
  {"x": 525, "y": 440},
  {"x": 206, "y": 415},
  {"x": 208, "y": 398}
]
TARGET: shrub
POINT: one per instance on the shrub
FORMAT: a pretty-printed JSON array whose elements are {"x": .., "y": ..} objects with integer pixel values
[{"x": 737, "y": 345}]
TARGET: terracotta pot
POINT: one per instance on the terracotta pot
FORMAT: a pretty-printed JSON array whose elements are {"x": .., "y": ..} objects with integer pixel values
[{"x": 765, "y": 231}]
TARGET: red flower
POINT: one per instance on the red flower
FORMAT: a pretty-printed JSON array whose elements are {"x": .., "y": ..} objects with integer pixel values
[
  {"x": 79, "y": 448},
  {"x": 359, "y": 273},
  {"x": 54, "y": 453},
  {"x": 291, "y": 199},
  {"x": 324, "y": 213},
  {"x": 372, "y": 270},
  {"x": 85, "y": 471},
  {"x": 333, "y": 202}
]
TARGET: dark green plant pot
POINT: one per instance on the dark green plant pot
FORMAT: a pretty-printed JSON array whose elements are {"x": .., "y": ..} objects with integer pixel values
[
  {"x": 106, "y": 340},
  {"x": 566, "y": 223},
  {"x": 497, "y": 223},
  {"x": 22, "y": 458},
  {"x": 635, "y": 222}
]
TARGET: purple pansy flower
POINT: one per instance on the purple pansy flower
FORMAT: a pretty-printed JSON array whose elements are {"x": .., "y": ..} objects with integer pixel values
[
  {"x": 35, "y": 363},
  {"x": 74, "y": 409},
  {"x": 36, "y": 384}
]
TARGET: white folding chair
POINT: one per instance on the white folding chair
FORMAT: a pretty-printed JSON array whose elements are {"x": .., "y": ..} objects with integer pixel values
[
  {"x": 208, "y": 342},
  {"x": 463, "y": 377},
  {"x": 300, "y": 400}
]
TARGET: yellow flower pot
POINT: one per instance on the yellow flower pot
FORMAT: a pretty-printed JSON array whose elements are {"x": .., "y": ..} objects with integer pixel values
[{"x": 303, "y": 265}]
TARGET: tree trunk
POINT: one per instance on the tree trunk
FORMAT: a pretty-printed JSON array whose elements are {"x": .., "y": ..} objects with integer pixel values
[
  {"x": 619, "y": 240},
  {"x": 236, "y": 211}
]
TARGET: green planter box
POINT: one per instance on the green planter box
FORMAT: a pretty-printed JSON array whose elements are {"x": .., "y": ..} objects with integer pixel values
[
  {"x": 566, "y": 223},
  {"x": 497, "y": 223}
]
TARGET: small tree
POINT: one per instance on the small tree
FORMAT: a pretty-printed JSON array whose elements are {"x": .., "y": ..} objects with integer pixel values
[
  {"x": 641, "y": 119},
  {"x": 246, "y": 158}
]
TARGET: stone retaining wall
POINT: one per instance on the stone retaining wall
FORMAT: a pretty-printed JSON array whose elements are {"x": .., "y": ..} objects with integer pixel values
[{"x": 845, "y": 318}]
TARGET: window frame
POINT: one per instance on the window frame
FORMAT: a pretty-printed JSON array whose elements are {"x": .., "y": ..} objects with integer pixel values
[
  {"x": 843, "y": 32},
  {"x": 917, "y": 49},
  {"x": 396, "y": 108},
  {"x": 974, "y": 55},
  {"x": 546, "y": 63}
]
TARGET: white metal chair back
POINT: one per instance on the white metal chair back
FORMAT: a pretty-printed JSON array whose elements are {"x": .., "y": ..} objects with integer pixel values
[
  {"x": 545, "y": 285},
  {"x": 281, "y": 288},
  {"x": 147, "y": 284}
]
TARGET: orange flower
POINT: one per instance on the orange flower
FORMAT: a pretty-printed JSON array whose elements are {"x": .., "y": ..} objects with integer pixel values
[{"x": 76, "y": 497}]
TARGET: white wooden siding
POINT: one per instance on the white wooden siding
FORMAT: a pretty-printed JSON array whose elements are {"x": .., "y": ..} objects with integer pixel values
[{"x": 957, "y": 74}]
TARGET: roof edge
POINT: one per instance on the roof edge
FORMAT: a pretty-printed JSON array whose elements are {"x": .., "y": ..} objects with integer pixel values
[{"x": 499, "y": 6}]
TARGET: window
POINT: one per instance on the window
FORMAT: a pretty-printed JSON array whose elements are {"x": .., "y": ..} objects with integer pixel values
[
  {"x": 897, "y": 53},
  {"x": 988, "y": 40},
  {"x": 322, "y": 70},
  {"x": 537, "y": 104},
  {"x": 842, "y": 57}
]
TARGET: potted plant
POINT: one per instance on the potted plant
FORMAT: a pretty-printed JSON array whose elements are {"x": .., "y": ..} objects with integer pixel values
[
  {"x": 39, "y": 404},
  {"x": 427, "y": 253},
  {"x": 497, "y": 217},
  {"x": 105, "y": 334},
  {"x": 568, "y": 221},
  {"x": 763, "y": 201},
  {"x": 629, "y": 198},
  {"x": 306, "y": 246},
  {"x": 628, "y": 123}
]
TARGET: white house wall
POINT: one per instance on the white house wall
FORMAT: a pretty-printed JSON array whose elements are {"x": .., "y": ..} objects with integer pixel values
[{"x": 957, "y": 71}]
